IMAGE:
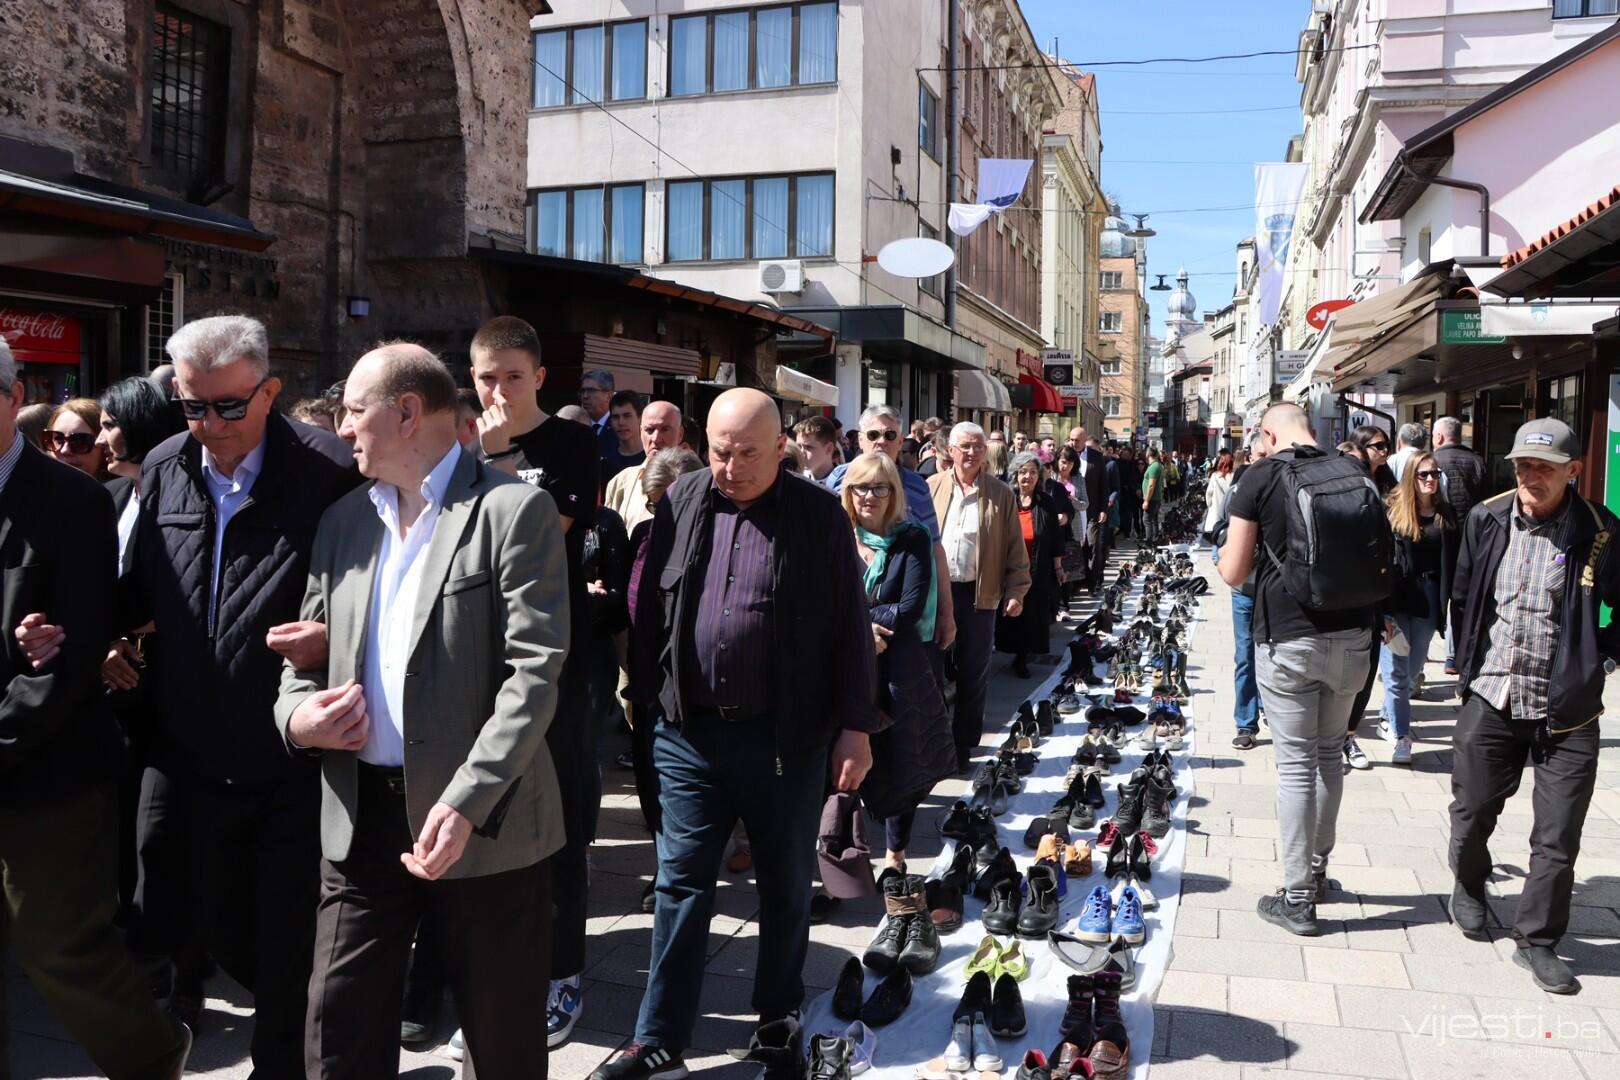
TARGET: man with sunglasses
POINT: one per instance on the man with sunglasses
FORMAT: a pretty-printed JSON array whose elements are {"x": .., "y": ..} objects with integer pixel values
[
  {"x": 879, "y": 430},
  {"x": 228, "y": 516}
]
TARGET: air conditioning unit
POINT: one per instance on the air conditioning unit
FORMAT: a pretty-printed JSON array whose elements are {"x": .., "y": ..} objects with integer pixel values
[{"x": 781, "y": 276}]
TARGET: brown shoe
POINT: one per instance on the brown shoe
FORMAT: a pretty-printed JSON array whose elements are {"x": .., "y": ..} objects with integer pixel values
[
  {"x": 1077, "y": 860},
  {"x": 1050, "y": 849},
  {"x": 944, "y": 905},
  {"x": 741, "y": 859},
  {"x": 1110, "y": 1056}
]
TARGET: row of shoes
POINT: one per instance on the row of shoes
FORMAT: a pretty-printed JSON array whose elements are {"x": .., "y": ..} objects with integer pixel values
[{"x": 780, "y": 1047}]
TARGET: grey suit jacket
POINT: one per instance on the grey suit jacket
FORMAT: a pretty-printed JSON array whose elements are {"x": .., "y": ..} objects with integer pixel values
[{"x": 490, "y": 635}]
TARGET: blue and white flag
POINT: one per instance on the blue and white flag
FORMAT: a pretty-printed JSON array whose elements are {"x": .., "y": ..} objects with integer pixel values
[
  {"x": 1001, "y": 181},
  {"x": 1277, "y": 189}
]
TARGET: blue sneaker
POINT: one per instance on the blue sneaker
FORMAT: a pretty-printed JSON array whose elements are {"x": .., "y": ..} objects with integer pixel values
[
  {"x": 567, "y": 1002},
  {"x": 1094, "y": 924},
  {"x": 1129, "y": 926}
]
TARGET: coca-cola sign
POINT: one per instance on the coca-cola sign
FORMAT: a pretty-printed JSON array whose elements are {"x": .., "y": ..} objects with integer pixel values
[{"x": 41, "y": 337}]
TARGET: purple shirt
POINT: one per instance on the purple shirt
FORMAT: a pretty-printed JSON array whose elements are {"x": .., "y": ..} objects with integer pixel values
[{"x": 730, "y": 641}]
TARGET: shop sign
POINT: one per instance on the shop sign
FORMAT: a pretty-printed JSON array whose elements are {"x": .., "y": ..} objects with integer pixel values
[
  {"x": 1071, "y": 392},
  {"x": 1319, "y": 314},
  {"x": 1235, "y": 431},
  {"x": 1059, "y": 374},
  {"x": 1290, "y": 362},
  {"x": 1463, "y": 328},
  {"x": 216, "y": 270},
  {"x": 41, "y": 337}
]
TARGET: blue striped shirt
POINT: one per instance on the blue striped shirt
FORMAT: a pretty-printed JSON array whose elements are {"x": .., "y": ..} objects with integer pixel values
[{"x": 9, "y": 459}]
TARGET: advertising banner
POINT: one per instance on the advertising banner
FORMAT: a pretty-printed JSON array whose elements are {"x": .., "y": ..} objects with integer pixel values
[{"x": 1277, "y": 189}]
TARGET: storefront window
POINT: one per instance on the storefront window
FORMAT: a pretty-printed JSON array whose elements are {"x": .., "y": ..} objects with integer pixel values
[
  {"x": 883, "y": 383},
  {"x": 1560, "y": 398}
]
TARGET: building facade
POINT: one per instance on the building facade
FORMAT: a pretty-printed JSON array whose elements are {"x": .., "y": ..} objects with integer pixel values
[
  {"x": 1073, "y": 208},
  {"x": 1123, "y": 338},
  {"x": 323, "y": 166}
]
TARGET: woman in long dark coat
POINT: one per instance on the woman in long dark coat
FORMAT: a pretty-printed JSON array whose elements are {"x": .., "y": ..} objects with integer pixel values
[
  {"x": 1030, "y": 631},
  {"x": 916, "y": 751}
]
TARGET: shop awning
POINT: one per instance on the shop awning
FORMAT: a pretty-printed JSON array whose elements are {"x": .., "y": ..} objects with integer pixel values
[
  {"x": 1581, "y": 257},
  {"x": 798, "y": 386},
  {"x": 985, "y": 393},
  {"x": 1549, "y": 318},
  {"x": 122, "y": 209},
  {"x": 896, "y": 332},
  {"x": 1366, "y": 327},
  {"x": 1045, "y": 396}
]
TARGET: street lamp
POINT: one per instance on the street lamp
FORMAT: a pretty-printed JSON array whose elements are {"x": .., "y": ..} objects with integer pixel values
[
  {"x": 1161, "y": 286},
  {"x": 1141, "y": 232}
]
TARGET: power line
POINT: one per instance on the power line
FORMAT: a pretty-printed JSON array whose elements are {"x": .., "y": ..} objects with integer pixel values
[
  {"x": 1196, "y": 112},
  {"x": 1078, "y": 66}
]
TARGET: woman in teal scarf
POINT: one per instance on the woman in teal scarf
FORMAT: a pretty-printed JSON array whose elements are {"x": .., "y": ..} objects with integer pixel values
[{"x": 917, "y": 750}]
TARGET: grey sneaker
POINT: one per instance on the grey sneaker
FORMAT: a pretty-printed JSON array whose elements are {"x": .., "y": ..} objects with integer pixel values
[
  {"x": 1295, "y": 918},
  {"x": 1547, "y": 969}
]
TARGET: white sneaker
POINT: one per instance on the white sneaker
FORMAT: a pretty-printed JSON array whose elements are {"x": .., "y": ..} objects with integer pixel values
[
  {"x": 456, "y": 1048},
  {"x": 1386, "y": 732},
  {"x": 1403, "y": 751},
  {"x": 1354, "y": 756},
  {"x": 562, "y": 1013}
]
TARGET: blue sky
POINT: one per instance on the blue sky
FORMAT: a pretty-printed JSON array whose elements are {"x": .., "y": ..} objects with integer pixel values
[{"x": 1163, "y": 113}]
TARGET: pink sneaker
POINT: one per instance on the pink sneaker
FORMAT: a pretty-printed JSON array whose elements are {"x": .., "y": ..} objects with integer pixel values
[{"x": 1107, "y": 837}]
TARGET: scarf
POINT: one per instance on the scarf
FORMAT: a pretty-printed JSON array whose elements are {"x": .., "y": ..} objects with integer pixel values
[{"x": 874, "y": 574}]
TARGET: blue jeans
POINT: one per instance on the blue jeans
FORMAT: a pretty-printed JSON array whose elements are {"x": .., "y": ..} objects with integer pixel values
[
  {"x": 1397, "y": 671},
  {"x": 1246, "y": 713},
  {"x": 712, "y": 774}
]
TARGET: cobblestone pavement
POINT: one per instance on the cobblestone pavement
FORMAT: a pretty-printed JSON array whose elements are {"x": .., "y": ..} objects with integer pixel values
[{"x": 1391, "y": 989}]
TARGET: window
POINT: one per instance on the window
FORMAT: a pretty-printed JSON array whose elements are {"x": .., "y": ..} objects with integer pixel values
[
  {"x": 1574, "y": 9},
  {"x": 589, "y": 64},
  {"x": 594, "y": 224},
  {"x": 759, "y": 49},
  {"x": 1113, "y": 279},
  {"x": 190, "y": 90},
  {"x": 927, "y": 121},
  {"x": 933, "y": 286},
  {"x": 164, "y": 316},
  {"x": 1110, "y": 405},
  {"x": 1112, "y": 322},
  {"x": 764, "y": 217},
  {"x": 1116, "y": 366}
]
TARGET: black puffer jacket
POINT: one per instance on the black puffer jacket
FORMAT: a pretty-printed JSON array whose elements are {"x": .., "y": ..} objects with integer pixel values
[{"x": 217, "y": 685}]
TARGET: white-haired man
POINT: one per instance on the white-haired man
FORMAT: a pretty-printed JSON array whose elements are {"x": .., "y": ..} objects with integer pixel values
[
  {"x": 60, "y": 758},
  {"x": 989, "y": 570},
  {"x": 228, "y": 517}
]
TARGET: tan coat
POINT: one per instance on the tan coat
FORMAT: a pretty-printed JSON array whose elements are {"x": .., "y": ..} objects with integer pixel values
[
  {"x": 490, "y": 636},
  {"x": 1003, "y": 559}
]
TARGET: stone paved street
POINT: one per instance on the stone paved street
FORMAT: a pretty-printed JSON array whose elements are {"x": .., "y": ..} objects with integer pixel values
[{"x": 1391, "y": 989}]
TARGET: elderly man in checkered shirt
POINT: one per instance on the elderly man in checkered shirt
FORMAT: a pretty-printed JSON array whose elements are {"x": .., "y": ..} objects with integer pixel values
[{"x": 1536, "y": 564}]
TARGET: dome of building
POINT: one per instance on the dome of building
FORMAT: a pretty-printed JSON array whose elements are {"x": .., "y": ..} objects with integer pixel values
[
  {"x": 1182, "y": 304},
  {"x": 1114, "y": 243}
]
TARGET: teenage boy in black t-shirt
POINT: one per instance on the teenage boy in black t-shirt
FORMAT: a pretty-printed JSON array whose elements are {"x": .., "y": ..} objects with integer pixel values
[
  {"x": 562, "y": 458},
  {"x": 1309, "y": 666}
]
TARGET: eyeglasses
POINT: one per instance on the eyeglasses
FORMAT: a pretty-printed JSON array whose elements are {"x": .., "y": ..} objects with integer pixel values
[
  {"x": 224, "y": 408},
  {"x": 80, "y": 442},
  {"x": 881, "y": 436},
  {"x": 872, "y": 491},
  {"x": 1428, "y": 474}
]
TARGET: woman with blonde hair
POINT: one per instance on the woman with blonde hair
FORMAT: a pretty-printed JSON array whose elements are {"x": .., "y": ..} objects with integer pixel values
[
  {"x": 1425, "y": 529},
  {"x": 995, "y": 458},
  {"x": 917, "y": 750},
  {"x": 71, "y": 436}
]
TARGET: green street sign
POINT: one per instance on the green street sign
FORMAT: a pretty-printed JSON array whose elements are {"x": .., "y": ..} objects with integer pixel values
[{"x": 1462, "y": 328}]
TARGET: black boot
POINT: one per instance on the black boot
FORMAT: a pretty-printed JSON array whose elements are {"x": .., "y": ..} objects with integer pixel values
[
  {"x": 883, "y": 955},
  {"x": 1076, "y": 1024},
  {"x": 919, "y": 953}
]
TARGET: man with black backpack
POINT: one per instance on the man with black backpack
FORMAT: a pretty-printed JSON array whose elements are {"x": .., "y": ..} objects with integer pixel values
[{"x": 1314, "y": 529}]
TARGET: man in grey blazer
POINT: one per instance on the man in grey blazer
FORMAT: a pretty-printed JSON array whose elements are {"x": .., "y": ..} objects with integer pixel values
[{"x": 443, "y": 588}]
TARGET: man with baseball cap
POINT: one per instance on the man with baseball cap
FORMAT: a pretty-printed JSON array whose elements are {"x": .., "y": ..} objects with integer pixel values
[{"x": 1535, "y": 568}]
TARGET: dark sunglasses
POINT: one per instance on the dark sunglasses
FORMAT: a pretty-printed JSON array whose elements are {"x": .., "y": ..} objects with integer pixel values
[
  {"x": 80, "y": 442},
  {"x": 224, "y": 408},
  {"x": 1381, "y": 447},
  {"x": 1428, "y": 474},
  {"x": 881, "y": 436}
]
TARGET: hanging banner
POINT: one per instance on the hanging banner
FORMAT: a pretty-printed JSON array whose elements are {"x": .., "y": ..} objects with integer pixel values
[
  {"x": 1277, "y": 189},
  {"x": 1001, "y": 181}
]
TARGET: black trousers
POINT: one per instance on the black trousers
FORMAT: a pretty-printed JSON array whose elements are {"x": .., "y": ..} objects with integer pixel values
[
  {"x": 58, "y": 897},
  {"x": 495, "y": 944},
  {"x": 256, "y": 867},
  {"x": 1491, "y": 749},
  {"x": 572, "y": 741},
  {"x": 1098, "y": 541}
]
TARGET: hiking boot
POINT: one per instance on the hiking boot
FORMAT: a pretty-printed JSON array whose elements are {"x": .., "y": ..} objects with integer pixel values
[
  {"x": 1128, "y": 814},
  {"x": 1295, "y": 918},
  {"x": 883, "y": 954},
  {"x": 1156, "y": 804},
  {"x": 920, "y": 952},
  {"x": 1468, "y": 911}
]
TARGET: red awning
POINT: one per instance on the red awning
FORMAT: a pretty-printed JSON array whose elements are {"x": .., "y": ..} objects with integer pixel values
[{"x": 1047, "y": 398}]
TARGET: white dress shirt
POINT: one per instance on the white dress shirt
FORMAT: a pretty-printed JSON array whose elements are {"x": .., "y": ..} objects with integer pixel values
[
  {"x": 127, "y": 518},
  {"x": 393, "y": 608},
  {"x": 960, "y": 533},
  {"x": 228, "y": 493}
]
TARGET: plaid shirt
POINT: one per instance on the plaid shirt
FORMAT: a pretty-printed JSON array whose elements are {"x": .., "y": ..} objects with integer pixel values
[{"x": 1517, "y": 668}]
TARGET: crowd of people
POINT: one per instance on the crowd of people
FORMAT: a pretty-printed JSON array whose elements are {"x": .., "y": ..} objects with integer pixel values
[{"x": 1345, "y": 566}]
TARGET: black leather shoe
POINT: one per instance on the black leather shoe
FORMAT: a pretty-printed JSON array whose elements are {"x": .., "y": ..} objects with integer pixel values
[
  {"x": 954, "y": 825},
  {"x": 1547, "y": 969},
  {"x": 1041, "y": 910},
  {"x": 1002, "y": 866},
  {"x": 831, "y": 1057},
  {"x": 1007, "y": 1009},
  {"x": 888, "y": 1000},
  {"x": 982, "y": 837},
  {"x": 1044, "y": 720},
  {"x": 1082, "y": 815},
  {"x": 779, "y": 1046},
  {"x": 1468, "y": 911},
  {"x": 1001, "y": 912},
  {"x": 962, "y": 867},
  {"x": 1093, "y": 792},
  {"x": 846, "y": 1000}
]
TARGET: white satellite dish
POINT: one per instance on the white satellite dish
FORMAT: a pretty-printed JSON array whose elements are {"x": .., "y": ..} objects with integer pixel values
[{"x": 916, "y": 257}]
